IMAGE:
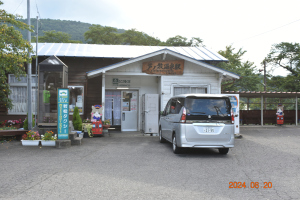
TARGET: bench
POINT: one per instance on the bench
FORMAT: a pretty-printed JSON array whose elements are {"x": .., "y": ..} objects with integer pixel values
[{"x": 13, "y": 133}]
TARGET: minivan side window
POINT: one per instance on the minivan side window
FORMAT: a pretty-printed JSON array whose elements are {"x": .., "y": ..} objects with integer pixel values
[
  {"x": 173, "y": 106},
  {"x": 179, "y": 104},
  {"x": 167, "y": 108}
]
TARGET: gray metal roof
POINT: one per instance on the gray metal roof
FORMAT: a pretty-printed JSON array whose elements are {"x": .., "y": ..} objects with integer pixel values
[{"x": 120, "y": 51}]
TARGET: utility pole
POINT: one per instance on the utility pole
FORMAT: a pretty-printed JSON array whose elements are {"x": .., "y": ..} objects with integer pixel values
[
  {"x": 29, "y": 98},
  {"x": 265, "y": 81}
]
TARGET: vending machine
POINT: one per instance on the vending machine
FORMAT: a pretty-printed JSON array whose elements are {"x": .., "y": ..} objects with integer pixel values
[
  {"x": 150, "y": 113},
  {"x": 234, "y": 100}
]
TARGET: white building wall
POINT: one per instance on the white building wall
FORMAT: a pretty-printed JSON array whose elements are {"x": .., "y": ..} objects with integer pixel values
[{"x": 193, "y": 75}]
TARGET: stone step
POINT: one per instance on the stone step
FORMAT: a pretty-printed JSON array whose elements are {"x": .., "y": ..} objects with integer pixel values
[
  {"x": 72, "y": 135},
  {"x": 76, "y": 141}
]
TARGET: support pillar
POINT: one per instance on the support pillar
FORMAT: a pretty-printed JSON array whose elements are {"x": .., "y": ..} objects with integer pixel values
[
  {"x": 262, "y": 110},
  {"x": 296, "y": 110},
  {"x": 103, "y": 96}
]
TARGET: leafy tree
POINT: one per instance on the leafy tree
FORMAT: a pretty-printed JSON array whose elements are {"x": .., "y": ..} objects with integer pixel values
[
  {"x": 134, "y": 37},
  {"x": 56, "y": 37},
  {"x": 98, "y": 34},
  {"x": 249, "y": 79},
  {"x": 287, "y": 56},
  {"x": 289, "y": 83},
  {"x": 183, "y": 41},
  {"x": 13, "y": 52}
]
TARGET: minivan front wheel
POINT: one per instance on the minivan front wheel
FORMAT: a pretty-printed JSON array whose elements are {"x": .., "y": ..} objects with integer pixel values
[
  {"x": 223, "y": 150},
  {"x": 176, "y": 149}
]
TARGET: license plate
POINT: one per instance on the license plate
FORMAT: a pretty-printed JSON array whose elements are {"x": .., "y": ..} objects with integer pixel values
[{"x": 208, "y": 130}]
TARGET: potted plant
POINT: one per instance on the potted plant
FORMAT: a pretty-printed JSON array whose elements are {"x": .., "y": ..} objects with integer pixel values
[
  {"x": 48, "y": 139},
  {"x": 77, "y": 122},
  {"x": 31, "y": 138},
  {"x": 25, "y": 126},
  {"x": 89, "y": 129},
  {"x": 13, "y": 123},
  {"x": 106, "y": 124}
]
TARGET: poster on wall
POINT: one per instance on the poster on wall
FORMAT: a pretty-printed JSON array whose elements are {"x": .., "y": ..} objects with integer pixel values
[{"x": 63, "y": 114}]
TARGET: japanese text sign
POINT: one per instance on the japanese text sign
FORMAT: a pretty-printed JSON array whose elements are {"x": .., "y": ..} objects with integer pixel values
[
  {"x": 172, "y": 67},
  {"x": 63, "y": 113}
]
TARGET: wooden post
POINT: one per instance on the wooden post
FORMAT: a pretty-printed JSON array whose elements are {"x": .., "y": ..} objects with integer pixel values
[
  {"x": 262, "y": 110},
  {"x": 296, "y": 110}
]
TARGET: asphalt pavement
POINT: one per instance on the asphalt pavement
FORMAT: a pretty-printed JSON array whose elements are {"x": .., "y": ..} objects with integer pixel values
[{"x": 129, "y": 165}]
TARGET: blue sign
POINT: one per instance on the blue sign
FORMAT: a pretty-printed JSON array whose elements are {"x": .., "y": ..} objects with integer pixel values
[{"x": 63, "y": 114}]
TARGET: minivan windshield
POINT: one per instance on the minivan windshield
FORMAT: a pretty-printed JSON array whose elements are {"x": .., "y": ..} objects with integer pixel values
[{"x": 204, "y": 108}]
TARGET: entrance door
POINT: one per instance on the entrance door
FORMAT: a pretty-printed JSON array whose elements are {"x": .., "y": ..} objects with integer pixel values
[
  {"x": 129, "y": 105},
  {"x": 113, "y": 106}
]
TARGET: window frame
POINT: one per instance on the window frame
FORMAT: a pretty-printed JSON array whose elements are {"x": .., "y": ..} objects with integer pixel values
[
  {"x": 34, "y": 86},
  {"x": 190, "y": 86},
  {"x": 78, "y": 86}
]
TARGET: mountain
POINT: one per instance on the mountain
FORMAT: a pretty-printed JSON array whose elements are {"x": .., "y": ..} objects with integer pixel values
[{"x": 75, "y": 28}]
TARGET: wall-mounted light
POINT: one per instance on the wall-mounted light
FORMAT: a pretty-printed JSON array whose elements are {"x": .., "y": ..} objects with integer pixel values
[{"x": 122, "y": 88}]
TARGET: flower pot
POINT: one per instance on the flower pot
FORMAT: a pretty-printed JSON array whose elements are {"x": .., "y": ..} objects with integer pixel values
[
  {"x": 30, "y": 142},
  {"x": 16, "y": 125},
  {"x": 49, "y": 143},
  {"x": 106, "y": 126}
]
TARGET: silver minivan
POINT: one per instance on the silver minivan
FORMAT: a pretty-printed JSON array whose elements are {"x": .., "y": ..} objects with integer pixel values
[{"x": 198, "y": 121}]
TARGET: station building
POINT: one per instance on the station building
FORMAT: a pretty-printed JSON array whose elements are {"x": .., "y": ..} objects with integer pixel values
[{"x": 117, "y": 77}]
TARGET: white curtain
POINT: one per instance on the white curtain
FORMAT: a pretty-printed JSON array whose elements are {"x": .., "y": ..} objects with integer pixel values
[
  {"x": 19, "y": 100},
  {"x": 189, "y": 90},
  {"x": 113, "y": 101}
]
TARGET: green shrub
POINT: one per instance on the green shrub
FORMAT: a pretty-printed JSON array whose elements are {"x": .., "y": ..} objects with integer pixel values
[
  {"x": 77, "y": 122},
  {"x": 25, "y": 126}
]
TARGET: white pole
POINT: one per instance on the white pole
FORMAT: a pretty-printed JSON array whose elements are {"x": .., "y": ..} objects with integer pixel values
[
  {"x": 29, "y": 99},
  {"x": 36, "y": 76}
]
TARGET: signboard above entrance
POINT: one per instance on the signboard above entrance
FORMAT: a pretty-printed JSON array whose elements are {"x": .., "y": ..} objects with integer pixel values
[{"x": 171, "y": 67}]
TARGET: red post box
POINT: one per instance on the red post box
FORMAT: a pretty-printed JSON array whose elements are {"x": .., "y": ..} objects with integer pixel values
[
  {"x": 280, "y": 119},
  {"x": 280, "y": 114},
  {"x": 97, "y": 128}
]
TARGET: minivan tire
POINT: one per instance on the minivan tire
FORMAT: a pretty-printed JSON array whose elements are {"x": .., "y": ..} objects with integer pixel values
[
  {"x": 223, "y": 150},
  {"x": 161, "y": 139},
  {"x": 176, "y": 149}
]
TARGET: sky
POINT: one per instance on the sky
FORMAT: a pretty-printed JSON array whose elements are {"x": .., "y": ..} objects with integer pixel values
[{"x": 252, "y": 25}]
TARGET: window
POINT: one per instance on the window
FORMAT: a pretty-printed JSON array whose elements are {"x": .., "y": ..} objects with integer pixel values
[
  {"x": 173, "y": 106},
  {"x": 18, "y": 94},
  {"x": 167, "y": 109},
  {"x": 76, "y": 99},
  {"x": 190, "y": 90}
]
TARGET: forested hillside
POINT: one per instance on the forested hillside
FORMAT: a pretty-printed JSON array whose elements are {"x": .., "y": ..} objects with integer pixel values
[{"x": 74, "y": 28}]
